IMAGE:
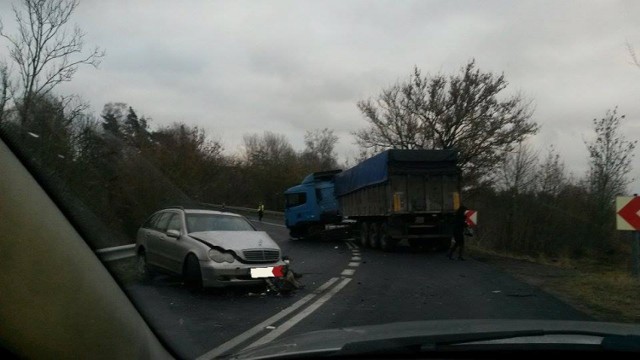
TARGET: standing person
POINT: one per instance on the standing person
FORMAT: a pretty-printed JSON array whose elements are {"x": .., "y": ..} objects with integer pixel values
[
  {"x": 260, "y": 211},
  {"x": 459, "y": 224}
]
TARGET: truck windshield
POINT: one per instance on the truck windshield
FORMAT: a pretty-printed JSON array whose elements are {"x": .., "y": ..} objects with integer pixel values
[
  {"x": 212, "y": 222},
  {"x": 295, "y": 199}
]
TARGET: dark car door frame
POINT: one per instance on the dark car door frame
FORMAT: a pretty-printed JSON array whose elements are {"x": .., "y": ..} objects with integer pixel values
[{"x": 69, "y": 305}]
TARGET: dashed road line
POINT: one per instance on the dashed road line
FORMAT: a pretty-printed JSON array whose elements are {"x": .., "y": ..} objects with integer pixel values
[
  {"x": 353, "y": 244},
  {"x": 301, "y": 315},
  {"x": 261, "y": 326},
  {"x": 348, "y": 272},
  {"x": 322, "y": 291}
]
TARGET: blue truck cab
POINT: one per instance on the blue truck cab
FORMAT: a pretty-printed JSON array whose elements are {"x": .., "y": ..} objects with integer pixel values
[{"x": 312, "y": 204}]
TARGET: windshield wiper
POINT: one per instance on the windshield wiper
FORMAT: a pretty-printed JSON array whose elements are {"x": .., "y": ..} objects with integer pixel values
[{"x": 420, "y": 344}]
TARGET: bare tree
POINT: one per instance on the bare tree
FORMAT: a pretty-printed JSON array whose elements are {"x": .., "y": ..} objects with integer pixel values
[
  {"x": 552, "y": 177},
  {"x": 267, "y": 149},
  {"x": 610, "y": 156},
  {"x": 5, "y": 85},
  {"x": 392, "y": 122},
  {"x": 271, "y": 165},
  {"x": 518, "y": 171},
  {"x": 44, "y": 49},
  {"x": 319, "y": 152},
  {"x": 632, "y": 53},
  {"x": 462, "y": 112}
]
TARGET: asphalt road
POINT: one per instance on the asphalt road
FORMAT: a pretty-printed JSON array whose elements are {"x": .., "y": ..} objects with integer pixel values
[{"x": 344, "y": 286}]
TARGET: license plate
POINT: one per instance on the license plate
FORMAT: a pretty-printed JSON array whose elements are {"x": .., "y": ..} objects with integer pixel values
[
  {"x": 420, "y": 220},
  {"x": 266, "y": 272}
]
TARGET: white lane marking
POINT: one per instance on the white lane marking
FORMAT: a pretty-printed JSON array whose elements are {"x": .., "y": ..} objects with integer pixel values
[
  {"x": 260, "y": 327},
  {"x": 356, "y": 258},
  {"x": 267, "y": 223},
  {"x": 354, "y": 264},
  {"x": 356, "y": 252},
  {"x": 301, "y": 315},
  {"x": 348, "y": 272},
  {"x": 355, "y": 246},
  {"x": 349, "y": 245}
]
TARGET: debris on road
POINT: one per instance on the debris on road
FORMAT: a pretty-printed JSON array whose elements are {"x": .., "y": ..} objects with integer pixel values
[{"x": 286, "y": 284}]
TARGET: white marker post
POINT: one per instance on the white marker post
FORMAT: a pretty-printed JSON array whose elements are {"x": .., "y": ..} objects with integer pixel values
[
  {"x": 635, "y": 252},
  {"x": 628, "y": 218}
]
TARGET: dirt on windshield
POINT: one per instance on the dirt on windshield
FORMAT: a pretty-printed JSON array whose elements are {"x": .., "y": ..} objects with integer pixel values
[{"x": 602, "y": 291}]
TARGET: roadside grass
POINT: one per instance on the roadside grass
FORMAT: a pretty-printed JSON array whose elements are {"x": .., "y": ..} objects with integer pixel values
[
  {"x": 610, "y": 295},
  {"x": 604, "y": 290}
]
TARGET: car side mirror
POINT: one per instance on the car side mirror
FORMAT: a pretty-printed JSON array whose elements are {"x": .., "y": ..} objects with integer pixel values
[{"x": 173, "y": 233}]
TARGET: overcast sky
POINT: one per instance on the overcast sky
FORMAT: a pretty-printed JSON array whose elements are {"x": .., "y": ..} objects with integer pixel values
[{"x": 235, "y": 67}]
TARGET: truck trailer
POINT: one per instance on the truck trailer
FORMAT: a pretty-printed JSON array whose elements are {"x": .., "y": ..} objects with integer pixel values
[{"x": 393, "y": 196}]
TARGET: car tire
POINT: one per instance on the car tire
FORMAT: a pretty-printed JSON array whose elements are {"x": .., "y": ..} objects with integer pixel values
[
  {"x": 192, "y": 274},
  {"x": 142, "y": 267}
]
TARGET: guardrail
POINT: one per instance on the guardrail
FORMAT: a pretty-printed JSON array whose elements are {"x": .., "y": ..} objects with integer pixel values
[
  {"x": 251, "y": 211},
  {"x": 127, "y": 251},
  {"x": 117, "y": 253}
]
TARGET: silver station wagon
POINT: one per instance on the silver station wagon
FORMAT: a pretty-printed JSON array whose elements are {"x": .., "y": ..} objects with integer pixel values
[{"x": 208, "y": 248}]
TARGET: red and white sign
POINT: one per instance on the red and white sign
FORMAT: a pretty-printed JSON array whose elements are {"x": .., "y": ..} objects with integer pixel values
[
  {"x": 471, "y": 217},
  {"x": 267, "y": 272},
  {"x": 628, "y": 213}
]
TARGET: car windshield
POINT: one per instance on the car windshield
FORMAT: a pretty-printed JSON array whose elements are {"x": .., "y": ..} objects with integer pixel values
[
  {"x": 407, "y": 160},
  {"x": 211, "y": 222}
]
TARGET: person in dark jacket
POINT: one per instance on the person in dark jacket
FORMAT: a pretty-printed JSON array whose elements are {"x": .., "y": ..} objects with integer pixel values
[{"x": 459, "y": 224}]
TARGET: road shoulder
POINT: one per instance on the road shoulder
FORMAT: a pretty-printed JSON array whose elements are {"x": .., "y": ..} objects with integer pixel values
[{"x": 600, "y": 291}]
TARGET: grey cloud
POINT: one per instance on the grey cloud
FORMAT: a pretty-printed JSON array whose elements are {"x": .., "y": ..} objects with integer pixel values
[{"x": 290, "y": 66}]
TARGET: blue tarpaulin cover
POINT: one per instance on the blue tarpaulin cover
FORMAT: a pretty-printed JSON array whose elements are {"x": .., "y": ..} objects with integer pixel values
[{"x": 376, "y": 169}]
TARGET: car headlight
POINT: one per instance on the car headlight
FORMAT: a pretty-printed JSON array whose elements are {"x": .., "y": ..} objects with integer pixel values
[
  {"x": 228, "y": 257},
  {"x": 220, "y": 257}
]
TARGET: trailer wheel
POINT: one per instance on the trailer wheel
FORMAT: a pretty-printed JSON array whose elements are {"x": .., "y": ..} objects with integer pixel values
[
  {"x": 387, "y": 243},
  {"x": 374, "y": 235},
  {"x": 364, "y": 234}
]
